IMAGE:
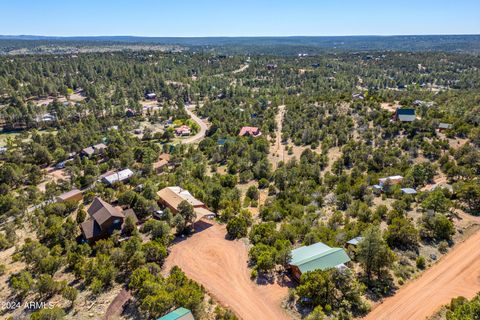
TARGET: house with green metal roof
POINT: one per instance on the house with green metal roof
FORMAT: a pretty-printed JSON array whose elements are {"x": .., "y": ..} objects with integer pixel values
[
  {"x": 317, "y": 256},
  {"x": 178, "y": 314}
]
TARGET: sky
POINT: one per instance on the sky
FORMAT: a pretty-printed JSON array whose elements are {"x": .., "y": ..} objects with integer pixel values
[{"x": 202, "y": 18}]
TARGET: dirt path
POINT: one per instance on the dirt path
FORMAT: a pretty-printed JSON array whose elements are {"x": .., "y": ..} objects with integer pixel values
[
  {"x": 115, "y": 308},
  {"x": 241, "y": 69},
  {"x": 277, "y": 153},
  {"x": 203, "y": 128},
  {"x": 457, "y": 274},
  {"x": 220, "y": 266}
]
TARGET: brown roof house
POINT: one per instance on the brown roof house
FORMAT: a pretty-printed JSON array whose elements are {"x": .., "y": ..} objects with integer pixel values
[
  {"x": 171, "y": 197},
  {"x": 74, "y": 195},
  {"x": 104, "y": 219},
  {"x": 162, "y": 163},
  {"x": 92, "y": 150}
]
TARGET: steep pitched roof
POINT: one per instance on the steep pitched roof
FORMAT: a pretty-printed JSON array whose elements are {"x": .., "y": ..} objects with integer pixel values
[
  {"x": 318, "y": 256},
  {"x": 91, "y": 228},
  {"x": 101, "y": 211}
]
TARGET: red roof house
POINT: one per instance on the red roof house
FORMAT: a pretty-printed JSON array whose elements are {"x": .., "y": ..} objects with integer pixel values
[{"x": 250, "y": 131}]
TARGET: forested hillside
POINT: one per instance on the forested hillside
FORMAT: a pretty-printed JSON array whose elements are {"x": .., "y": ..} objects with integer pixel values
[{"x": 298, "y": 150}]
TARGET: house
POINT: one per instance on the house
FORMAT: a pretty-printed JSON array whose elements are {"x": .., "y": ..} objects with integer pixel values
[
  {"x": 183, "y": 130},
  {"x": 150, "y": 96},
  {"x": 405, "y": 115},
  {"x": 129, "y": 113},
  {"x": 118, "y": 176},
  {"x": 162, "y": 163},
  {"x": 317, "y": 256},
  {"x": 392, "y": 180},
  {"x": 444, "y": 126},
  {"x": 271, "y": 66},
  {"x": 409, "y": 191},
  {"x": 171, "y": 197},
  {"x": 104, "y": 219},
  {"x": 358, "y": 96},
  {"x": 47, "y": 117},
  {"x": 250, "y": 131},
  {"x": 99, "y": 148},
  {"x": 74, "y": 195},
  {"x": 178, "y": 314}
]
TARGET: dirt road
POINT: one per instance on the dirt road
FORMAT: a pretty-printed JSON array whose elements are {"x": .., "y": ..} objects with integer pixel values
[
  {"x": 220, "y": 266},
  {"x": 242, "y": 68},
  {"x": 115, "y": 308},
  {"x": 457, "y": 274},
  {"x": 203, "y": 127},
  {"x": 277, "y": 152}
]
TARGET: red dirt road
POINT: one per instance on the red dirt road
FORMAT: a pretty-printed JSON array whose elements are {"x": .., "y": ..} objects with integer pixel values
[
  {"x": 220, "y": 266},
  {"x": 457, "y": 274}
]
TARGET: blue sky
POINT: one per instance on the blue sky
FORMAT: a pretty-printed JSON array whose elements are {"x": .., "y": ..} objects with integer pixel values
[{"x": 238, "y": 17}]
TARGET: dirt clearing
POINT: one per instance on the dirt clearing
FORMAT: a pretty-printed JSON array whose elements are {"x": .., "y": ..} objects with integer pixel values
[
  {"x": 220, "y": 266},
  {"x": 457, "y": 274}
]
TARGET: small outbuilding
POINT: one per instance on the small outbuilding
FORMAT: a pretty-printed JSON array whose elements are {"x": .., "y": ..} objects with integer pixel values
[
  {"x": 409, "y": 191},
  {"x": 74, "y": 195},
  {"x": 444, "y": 126}
]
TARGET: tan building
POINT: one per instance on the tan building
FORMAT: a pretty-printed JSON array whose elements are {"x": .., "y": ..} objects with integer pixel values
[
  {"x": 162, "y": 163},
  {"x": 171, "y": 197},
  {"x": 74, "y": 195}
]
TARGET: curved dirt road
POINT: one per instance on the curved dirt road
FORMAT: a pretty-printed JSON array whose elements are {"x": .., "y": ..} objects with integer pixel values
[
  {"x": 220, "y": 266},
  {"x": 456, "y": 274},
  {"x": 203, "y": 127}
]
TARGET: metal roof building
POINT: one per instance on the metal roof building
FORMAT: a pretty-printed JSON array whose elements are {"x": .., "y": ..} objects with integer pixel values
[
  {"x": 405, "y": 115},
  {"x": 317, "y": 256},
  {"x": 409, "y": 191},
  {"x": 118, "y": 176},
  {"x": 178, "y": 314}
]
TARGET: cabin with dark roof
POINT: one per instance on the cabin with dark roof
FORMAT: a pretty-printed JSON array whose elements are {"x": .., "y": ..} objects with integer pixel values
[
  {"x": 405, "y": 115},
  {"x": 104, "y": 219}
]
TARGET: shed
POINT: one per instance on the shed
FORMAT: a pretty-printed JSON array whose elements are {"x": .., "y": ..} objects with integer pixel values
[
  {"x": 74, "y": 195},
  {"x": 355, "y": 241},
  {"x": 410, "y": 191},
  {"x": 317, "y": 256},
  {"x": 444, "y": 126},
  {"x": 178, "y": 314}
]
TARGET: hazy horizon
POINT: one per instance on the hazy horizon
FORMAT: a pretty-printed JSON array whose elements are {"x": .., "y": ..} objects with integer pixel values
[{"x": 249, "y": 18}]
